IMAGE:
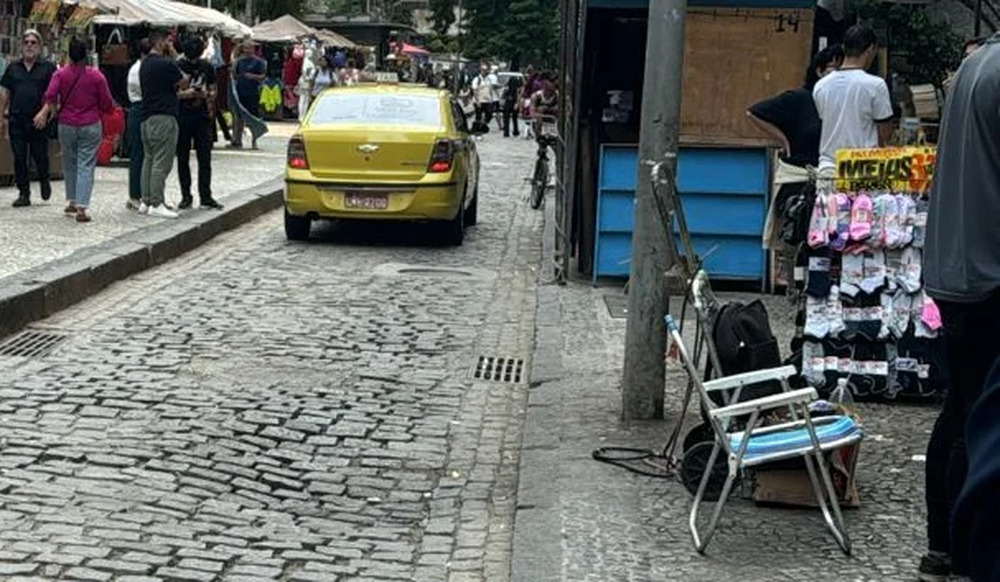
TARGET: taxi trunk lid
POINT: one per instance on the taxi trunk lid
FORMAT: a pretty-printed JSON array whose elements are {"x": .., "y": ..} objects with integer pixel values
[{"x": 370, "y": 155}]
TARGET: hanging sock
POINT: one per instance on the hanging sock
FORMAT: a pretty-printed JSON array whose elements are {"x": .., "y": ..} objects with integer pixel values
[
  {"x": 909, "y": 273},
  {"x": 886, "y": 299},
  {"x": 899, "y": 315},
  {"x": 818, "y": 281},
  {"x": 876, "y": 239},
  {"x": 813, "y": 364},
  {"x": 842, "y": 227},
  {"x": 926, "y": 317},
  {"x": 818, "y": 223},
  {"x": 852, "y": 273},
  {"x": 817, "y": 320},
  {"x": 892, "y": 235},
  {"x": 920, "y": 223},
  {"x": 874, "y": 271},
  {"x": 861, "y": 218},
  {"x": 908, "y": 218},
  {"x": 835, "y": 312},
  {"x": 893, "y": 268}
]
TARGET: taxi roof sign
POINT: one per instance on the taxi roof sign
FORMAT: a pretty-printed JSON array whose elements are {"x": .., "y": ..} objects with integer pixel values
[{"x": 386, "y": 77}]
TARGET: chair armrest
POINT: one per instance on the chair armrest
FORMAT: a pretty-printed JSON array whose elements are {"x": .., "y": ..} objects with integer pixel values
[
  {"x": 803, "y": 396},
  {"x": 751, "y": 378}
]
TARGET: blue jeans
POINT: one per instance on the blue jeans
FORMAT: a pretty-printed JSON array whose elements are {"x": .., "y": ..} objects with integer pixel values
[
  {"x": 79, "y": 149},
  {"x": 136, "y": 151}
]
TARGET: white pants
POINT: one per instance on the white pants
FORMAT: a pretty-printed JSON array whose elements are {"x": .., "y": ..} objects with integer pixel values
[{"x": 304, "y": 100}]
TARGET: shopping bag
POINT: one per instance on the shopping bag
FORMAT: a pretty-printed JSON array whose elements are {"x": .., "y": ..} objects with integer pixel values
[
  {"x": 115, "y": 50},
  {"x": 106, "y": 151},
  {"x": 114, "y": 122}
]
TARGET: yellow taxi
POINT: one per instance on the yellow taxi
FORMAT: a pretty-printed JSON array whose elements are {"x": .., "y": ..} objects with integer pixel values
[{"x": 383, "y": 152}]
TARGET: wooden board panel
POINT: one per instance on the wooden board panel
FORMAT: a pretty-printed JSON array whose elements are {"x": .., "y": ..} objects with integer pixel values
[{"x": 733, "y": 58}]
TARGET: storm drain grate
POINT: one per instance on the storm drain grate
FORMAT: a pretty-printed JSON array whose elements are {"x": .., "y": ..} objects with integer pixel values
[
  {"x": 498, "y": 369},
  {"x": 33, "y": 343}
]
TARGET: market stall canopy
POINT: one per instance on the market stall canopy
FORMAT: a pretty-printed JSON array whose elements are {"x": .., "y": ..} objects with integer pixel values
[
  {"x": 284, "y": 29},
  {"x": 330, "y": 38},
  {"x": 166, "y": 13}
]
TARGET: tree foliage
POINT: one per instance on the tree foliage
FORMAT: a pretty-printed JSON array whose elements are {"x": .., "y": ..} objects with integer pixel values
[
  {"x": 442, "y": 15},
  {"x": 930, "y": 48},
  {"x": 518, "y": 31}
]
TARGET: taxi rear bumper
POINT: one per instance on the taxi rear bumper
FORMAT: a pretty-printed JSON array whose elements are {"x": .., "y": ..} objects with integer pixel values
[{"x": 373, "y": 201}]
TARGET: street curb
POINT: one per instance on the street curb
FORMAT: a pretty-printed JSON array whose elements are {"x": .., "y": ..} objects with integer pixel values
[
  {"x": 39, "y": 292},
  {"x": 537, "y": 551}
]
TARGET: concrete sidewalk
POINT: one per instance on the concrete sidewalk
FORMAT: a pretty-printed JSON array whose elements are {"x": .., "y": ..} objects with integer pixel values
[
  {"x": 34, "y": 236},
  {"x": 579, "y": 519}
]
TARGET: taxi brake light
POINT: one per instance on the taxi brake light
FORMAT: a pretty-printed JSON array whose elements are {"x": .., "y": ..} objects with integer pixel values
[
  {"x": 442, "y": 157},
  {"x": 297, "y": 154}
]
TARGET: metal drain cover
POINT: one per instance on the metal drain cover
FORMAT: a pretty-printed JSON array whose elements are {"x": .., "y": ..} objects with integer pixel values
[
  {"x": 499, "y": 369},
  {"x": 433, "y": 271},
  {"x": 33, "y": 343}
]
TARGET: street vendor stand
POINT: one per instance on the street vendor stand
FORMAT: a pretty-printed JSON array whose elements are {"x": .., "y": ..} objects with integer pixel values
[{"x": 279, "y": 39}]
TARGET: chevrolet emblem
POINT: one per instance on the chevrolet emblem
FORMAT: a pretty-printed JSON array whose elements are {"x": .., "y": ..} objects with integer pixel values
[{"x": 368, "y": 148}]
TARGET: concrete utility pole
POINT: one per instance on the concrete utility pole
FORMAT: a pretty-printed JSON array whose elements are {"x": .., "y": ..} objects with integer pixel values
[{"x": 648, "y": 302}]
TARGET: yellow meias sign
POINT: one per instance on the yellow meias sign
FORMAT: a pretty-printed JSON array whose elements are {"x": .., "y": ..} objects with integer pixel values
[{"x": 900, "y": 169}]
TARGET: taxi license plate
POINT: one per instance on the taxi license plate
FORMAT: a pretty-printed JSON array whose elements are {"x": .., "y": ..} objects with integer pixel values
[{"x": 366, "y": 201}]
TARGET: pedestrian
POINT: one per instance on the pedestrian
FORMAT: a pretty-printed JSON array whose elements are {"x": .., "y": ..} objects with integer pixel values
[
  {"x": 249, "y": 72},
  {"x": 791, "y": 120},
  {"x": 325, "y": 77},
  {"x": 961, "y": 272},
  {"x": 161, "y": 79},
  {"x": 511, "y": 105},
  {"x": 24, "y": 83},
  {"x": 495, "y": 93},
  {"x": 195, "y": 124},
  {"x": 532, "y": 85},
  {"x": 976, "y": 522},
  {"x": 854, "y": 105},
  {"x": 482, "y": 94},
  {"x": 305, "y": 84},
  {"x": 135, "y": 129},
  {"x": 82, "y": 96}
]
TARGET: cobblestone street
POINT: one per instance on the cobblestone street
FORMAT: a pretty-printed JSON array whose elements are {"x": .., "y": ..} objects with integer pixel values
[{"x": 259, "y": 410}]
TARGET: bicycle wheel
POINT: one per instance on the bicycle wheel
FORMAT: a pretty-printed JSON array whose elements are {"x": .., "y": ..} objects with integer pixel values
[{"x": 539, "y": 183}]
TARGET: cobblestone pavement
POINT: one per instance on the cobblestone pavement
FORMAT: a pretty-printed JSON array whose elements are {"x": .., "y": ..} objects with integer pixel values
[
  {"x": 260, "y": 410},
  {"x": 33, "y": 236},
  {"x": 582, "y": 520}
]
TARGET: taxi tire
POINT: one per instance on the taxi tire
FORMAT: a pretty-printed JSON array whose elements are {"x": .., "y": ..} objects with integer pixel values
[
  {"x": 297, "y": 227},
  {"x": 454, "y": 232},
  {"x": 472, "y": 212}
]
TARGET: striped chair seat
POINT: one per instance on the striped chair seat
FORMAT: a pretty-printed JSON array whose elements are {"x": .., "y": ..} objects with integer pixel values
[{"x": 832, "y": 432}]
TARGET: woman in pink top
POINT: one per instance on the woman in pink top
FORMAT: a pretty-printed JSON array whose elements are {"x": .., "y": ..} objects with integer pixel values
[{"x": 81, "y": 96}]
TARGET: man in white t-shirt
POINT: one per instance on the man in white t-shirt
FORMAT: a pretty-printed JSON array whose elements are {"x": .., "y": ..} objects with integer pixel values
[
  {"x": 482, "y": 93},
  {"x": 854, "y": 105},
  {"x": 134, "y": 129}
]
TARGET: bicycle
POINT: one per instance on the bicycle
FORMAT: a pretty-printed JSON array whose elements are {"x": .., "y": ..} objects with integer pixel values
[{"x": 547, "y": 136}]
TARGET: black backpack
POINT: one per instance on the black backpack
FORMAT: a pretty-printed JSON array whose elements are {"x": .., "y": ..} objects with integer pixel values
[
  {"x": 744, "y": 343},
  {"x": 797, "y": 209}
]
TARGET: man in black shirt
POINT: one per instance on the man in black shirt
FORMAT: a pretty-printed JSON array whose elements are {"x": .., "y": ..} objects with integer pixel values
[
  {"x": 160, "y": 79},
  {"x": 196, "y": 124},
  {"x": 511, "y": 104},
  {"x": 25, "y": 82}
]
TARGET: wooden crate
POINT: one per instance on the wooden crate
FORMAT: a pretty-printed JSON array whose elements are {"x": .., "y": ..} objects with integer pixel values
[{"x": 733, "y": 58}]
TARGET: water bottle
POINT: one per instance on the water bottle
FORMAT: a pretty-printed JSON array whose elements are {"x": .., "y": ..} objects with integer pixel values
[{"x": 841, "y": 396}]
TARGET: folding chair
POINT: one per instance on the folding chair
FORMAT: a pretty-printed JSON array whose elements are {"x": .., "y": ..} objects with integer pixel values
[{"x": 801, "y": 437}]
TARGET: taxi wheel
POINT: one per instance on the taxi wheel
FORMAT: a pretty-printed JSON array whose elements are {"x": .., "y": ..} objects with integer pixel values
[
  {"x": 472, "y": 212},
  {"x": 454, "y": 232},
  {"x": 297, "y": 227}
]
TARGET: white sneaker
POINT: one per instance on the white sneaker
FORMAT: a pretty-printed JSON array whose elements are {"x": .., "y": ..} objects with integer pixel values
[
  {"x": 143, "y": 209},
  {"x": 162, "y": 211}
]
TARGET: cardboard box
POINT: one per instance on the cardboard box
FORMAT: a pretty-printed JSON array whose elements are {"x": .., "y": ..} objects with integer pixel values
[{"x": 789, "y": 485}]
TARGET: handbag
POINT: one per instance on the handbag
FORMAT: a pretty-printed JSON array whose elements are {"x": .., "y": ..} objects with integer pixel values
[
  {"x": 115, "y": 53},
  {"x": 52, "y": 127}
]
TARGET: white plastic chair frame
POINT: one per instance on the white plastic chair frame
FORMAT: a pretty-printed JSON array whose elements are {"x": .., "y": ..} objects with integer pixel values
[{"x": 797, "y": 403}]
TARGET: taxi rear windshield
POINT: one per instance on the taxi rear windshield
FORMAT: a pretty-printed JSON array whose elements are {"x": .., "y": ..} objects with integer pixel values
[{"x": 376, "y": 109}]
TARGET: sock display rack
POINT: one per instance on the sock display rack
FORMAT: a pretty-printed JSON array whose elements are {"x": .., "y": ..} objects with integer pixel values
[{"x": 863, "y": 314}]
